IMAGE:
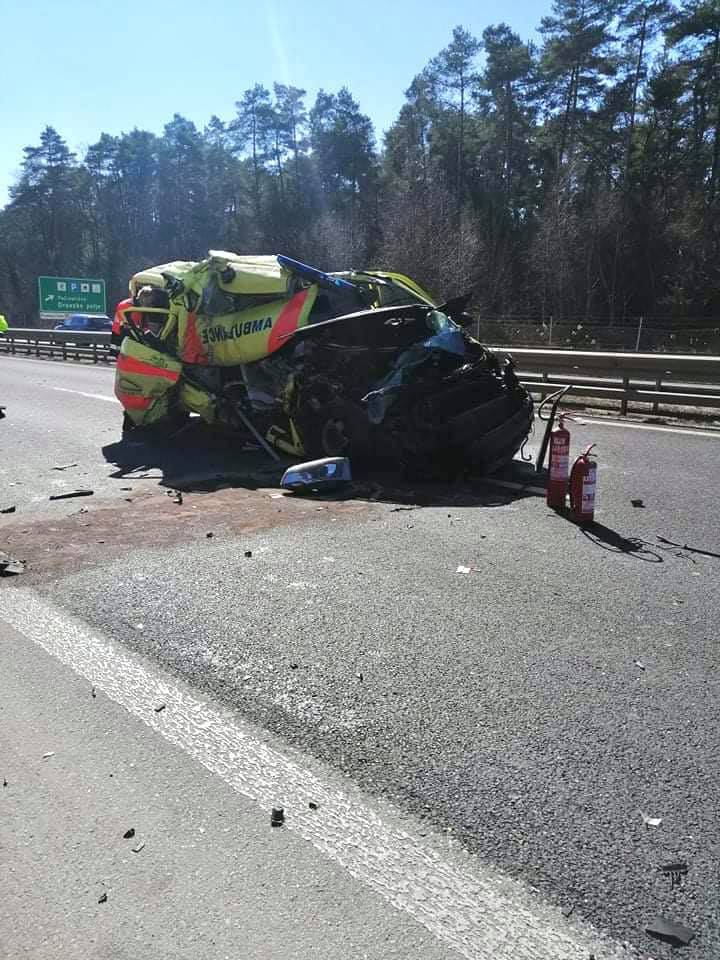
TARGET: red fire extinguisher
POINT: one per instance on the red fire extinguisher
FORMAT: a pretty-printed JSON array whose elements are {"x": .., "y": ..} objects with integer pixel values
[
  {"x": 559, "y": 461},
  {"x": 583, "y": 483}
]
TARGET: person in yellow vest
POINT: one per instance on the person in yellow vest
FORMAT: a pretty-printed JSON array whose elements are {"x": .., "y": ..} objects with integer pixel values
[{"x": 3, "y": 324}]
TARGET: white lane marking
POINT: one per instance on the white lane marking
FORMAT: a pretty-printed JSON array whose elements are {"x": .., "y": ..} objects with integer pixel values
[
  {"x": 476, "y": 911},
  {"x": 687, "y": 432},
  {"x": 56, "y": 364},
  {"x": 92, "y": 396}
]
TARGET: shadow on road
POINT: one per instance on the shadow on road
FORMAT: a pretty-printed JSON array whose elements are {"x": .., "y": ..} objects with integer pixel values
[
  {"x": 614, "y": 542},
  {"x": 204, "y": 461}
]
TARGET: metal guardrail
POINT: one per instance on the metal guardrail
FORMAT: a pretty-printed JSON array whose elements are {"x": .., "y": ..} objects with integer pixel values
[
  {"x": 68, "y": 344},
  {"x": 648, "y": 378}
]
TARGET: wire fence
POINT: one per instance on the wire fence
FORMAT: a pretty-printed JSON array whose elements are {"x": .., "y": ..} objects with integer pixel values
[{"x": 631, "y": 334}]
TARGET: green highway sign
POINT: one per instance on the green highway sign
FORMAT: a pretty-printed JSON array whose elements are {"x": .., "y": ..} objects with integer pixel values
[{"x": 64, "y": 295}]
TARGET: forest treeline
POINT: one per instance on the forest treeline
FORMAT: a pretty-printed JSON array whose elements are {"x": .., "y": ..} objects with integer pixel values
[{"x": 575, "y": 178}]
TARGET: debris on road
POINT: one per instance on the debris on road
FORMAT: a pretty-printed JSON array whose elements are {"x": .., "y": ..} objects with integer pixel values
[
  {"x": 676, "y": 872},
  {"x": 92, "y": 693},
  {"x": 129, "y": 834},
  {"x": 638, "y": 503},
  {"x": 209, "y": 536},
  {"x": 176, "y": 495},
  {"x": 50, "y": 753},
  {"x": 9, "y": 509},
  {"x": 640, "y": 664},
  {"x": 64, "y": 466},
  {"x": 313, "y": 805},
  {"x": 159, "y": 707},
  {"x": 103, "y": 897},
  {"x": 317, "y": 475},
  {"x": 248, "y": 554},
  {"x": 702, "y": 553},
  {"x": 401, "y": 509},
  {"x": 74, "y": 493},
  {"x": 650, "y": 821},
  {"x": 5, "y": 783},
  {"x": 670, "y": 932},
  {"x": 277, "y": 817},
  {"x": 567, "y": 911},
  {"x": 9, "y": 565},
  {"x": 138, "y": 847},
  {"x": 462, "y": 569}
]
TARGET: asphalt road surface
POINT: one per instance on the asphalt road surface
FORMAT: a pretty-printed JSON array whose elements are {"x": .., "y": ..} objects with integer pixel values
[{"x": 531, "y": 710}]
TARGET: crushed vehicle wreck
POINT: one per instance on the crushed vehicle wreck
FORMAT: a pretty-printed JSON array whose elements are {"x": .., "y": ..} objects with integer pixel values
[{"x": 359, "y": 364}]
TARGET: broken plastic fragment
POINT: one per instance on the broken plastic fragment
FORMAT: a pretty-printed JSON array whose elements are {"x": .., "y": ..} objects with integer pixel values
[
  {"x": 9, "y": 565},
  {"x": 159, "y": 707},
  {"x": 138, "y": 847},
  {"x": 50, "y": 753},
  {"x": 324, "y": 474},
  {"x": 650, "y": 821},
  {"x": 64, "y": 466},
  {"x": 637, "y": 503},
  {"x": 8, "y": 510},
  {"x": 277, "y": 817},
  {"x": 462, "y": 569},
  {"x": 313, "y": 805},
  {"x": 102, "y": 898},
  {"x": 129, "y": 833},
  {"x": 639, "y": 663},
  {"x": 673, "y": 933}
]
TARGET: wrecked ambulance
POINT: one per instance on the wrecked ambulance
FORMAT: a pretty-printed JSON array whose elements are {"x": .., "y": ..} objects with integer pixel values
[{"x": 361, "y": 364}]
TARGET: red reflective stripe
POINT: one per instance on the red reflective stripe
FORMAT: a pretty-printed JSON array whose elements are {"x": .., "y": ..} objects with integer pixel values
[
  {"x": 193, "y": 350},
  {"x": 132, "y": 365},
  {"x": 134, "y": 403},
  {"x": 287, "y": 321},
  {"x": 119, "y": 318}
]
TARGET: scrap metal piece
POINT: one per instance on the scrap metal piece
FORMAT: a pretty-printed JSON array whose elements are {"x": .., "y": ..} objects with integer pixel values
[
  {"x": 676, "y": 872},
  {"x": 670, "y": 932},
  {"x": 75, "y": 493}
]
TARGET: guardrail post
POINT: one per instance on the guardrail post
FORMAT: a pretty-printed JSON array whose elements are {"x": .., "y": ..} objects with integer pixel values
[
  {"x": 37, "y": 346},
  {"x": 623, "y": 402},
  {"x": 64, "y": 346},
  {"x": 94, "y": 346},
  {"x": 656, "y": 403}
]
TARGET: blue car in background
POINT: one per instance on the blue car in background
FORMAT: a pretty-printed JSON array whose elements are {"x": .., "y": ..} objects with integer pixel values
[{"x": 84, "y": 323}]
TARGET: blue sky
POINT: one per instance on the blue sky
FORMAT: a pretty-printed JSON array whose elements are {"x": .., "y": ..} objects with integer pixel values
[{"x": 93, "y": 66}]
